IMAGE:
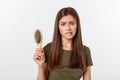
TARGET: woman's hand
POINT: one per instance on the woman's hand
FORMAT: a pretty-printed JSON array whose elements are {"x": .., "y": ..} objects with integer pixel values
[{"x": 39, "y": 57}]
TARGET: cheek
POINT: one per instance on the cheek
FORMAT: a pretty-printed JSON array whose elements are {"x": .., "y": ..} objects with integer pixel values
[
  {"x": 74, "y": 29},
  {"x": 60, "y": 29}
]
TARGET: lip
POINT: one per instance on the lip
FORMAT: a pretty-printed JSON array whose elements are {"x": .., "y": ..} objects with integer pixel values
[{"x": 68, "y": 33}]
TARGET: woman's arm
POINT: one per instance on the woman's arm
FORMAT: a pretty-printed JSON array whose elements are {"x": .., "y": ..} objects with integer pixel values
[
  {"x": 87, "y": 74},
  {"x": 42, "y": 72},
  {"x": 39, "y": 58}
]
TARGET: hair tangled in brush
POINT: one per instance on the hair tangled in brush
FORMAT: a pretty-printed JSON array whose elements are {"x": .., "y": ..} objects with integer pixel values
[{"x": 38, "y": 36}]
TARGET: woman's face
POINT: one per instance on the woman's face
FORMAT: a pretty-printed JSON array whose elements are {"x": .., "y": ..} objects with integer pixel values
[{"x": 67, "y": 27}]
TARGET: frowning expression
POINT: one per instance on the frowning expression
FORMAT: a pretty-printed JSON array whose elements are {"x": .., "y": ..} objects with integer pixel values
[{"x": 67, "y": 27}]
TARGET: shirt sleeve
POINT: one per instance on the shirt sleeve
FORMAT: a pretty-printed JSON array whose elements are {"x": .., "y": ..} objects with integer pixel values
[
  {"x": 88, "y": 56},
  {"x": 46, "y": 51}
]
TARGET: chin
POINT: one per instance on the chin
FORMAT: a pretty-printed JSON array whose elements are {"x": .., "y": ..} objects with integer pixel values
[{"x": 69, "y": 38}]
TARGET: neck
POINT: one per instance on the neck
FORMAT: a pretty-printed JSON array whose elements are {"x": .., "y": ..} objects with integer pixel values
[{"x": 67, "y": 44}]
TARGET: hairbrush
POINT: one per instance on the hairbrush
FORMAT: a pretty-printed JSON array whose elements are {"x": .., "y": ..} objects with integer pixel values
[{"x": 38, "y": 38}]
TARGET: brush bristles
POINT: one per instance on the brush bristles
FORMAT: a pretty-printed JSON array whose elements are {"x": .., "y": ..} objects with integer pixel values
[{"x": 37, "y": 36}]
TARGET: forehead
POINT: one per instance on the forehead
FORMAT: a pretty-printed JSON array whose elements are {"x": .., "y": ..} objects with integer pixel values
[{"x": 67, "y": 18}]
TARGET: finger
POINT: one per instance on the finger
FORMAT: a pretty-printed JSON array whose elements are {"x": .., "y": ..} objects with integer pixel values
[
  {"x": 39, "y": 49},
  {"x": 39, "y": 53},
  {"x": 39, "y": 56},
  {"x": 42, "y": 57},
  {"x": 36, "y": 58}
]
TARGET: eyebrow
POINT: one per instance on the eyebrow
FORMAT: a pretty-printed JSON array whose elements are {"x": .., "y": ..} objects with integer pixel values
[
  {"x": 65, "y": 21},
  {"x": 72, "y": 21}
]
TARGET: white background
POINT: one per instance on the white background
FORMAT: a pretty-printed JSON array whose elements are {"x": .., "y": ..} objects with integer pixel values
[{"x": 100, "y": 21}]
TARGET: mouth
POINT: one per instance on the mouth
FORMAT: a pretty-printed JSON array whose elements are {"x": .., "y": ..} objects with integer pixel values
[{"x": 69, "y": 33}]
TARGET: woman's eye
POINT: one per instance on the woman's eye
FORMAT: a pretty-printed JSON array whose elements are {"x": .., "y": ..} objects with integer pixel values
[
  {"x": 72, "y": 23},
  {"x": 63, "y": 24}
]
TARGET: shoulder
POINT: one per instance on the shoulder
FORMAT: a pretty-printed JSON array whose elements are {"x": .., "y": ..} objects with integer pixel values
[
  {"x": 48, "y": 44},
  {"x": 88, "y": 56},
  {"x": 86, "y": 50},
  {"x": 47, "y": 47}
]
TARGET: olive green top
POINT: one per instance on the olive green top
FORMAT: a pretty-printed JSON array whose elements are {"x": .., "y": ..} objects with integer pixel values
[{"x": 66, "y": 73}]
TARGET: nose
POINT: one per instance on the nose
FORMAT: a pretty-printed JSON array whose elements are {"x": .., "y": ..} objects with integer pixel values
[{"x": 68, "y": 27}]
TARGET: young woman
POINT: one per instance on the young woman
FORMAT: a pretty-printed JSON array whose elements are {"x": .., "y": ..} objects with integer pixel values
[{"x": 65, "y": 58}]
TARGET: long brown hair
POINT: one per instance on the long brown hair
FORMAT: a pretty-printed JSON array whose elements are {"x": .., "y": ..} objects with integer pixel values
[{"x": 77, "y": 59}]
